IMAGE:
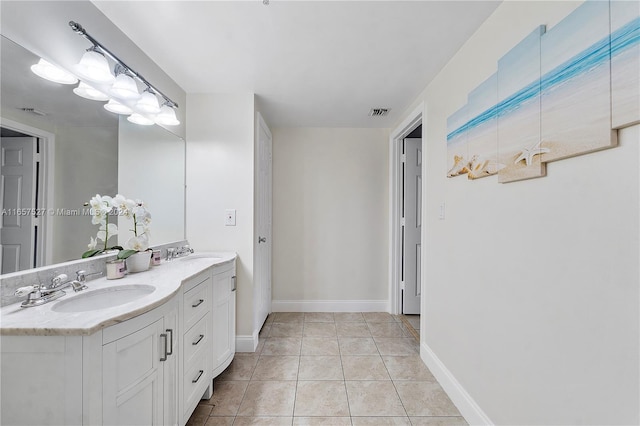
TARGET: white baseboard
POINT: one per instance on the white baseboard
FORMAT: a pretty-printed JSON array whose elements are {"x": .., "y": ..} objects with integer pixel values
[
  {"x": 329, "y": 305},
  {"x": 467, "y": 406},
  {"x": 246, "y": 343}
]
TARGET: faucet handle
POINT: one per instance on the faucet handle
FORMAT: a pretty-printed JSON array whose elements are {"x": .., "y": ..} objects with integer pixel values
[
  {"x": 23, "y": 291},
  {"x": 59, "y": 279},
  {"x": 82, "y": 275}
]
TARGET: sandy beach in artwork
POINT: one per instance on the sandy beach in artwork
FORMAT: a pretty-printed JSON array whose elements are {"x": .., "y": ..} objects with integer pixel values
[{"x": 576, "y": 115}]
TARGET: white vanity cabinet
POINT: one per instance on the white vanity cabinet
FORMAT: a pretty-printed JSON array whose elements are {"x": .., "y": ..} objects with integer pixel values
[
  {"x": 121, "y": 375},
  {"x": 139, "y": 369},
  {"x": 195, "y": 368},
  {"x": 224, "y": 317},
  {"x": 148, "y": 363}
]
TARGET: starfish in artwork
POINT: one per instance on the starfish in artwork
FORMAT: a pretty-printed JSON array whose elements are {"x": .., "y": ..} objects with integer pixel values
[{"x": 528, "y": 153}]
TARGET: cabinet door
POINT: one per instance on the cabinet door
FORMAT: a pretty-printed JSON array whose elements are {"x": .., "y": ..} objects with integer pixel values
[
  {"x": 223, "y": 318},
  {"x": 133, "y": 378}
]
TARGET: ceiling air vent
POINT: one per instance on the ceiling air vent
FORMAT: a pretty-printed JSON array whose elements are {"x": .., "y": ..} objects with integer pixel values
[
  {"x": 33, "y": 111},
  {"x": 378, "y": 112}
]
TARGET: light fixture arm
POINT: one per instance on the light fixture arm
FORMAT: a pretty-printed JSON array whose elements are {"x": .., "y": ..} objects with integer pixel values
[{"x": 77, "y": 28}]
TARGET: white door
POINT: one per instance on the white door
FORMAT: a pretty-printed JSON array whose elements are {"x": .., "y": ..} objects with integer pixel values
[
  {"x": 262, "y": 273},
  {"x": 18, "y": 196},
  {"x": 412, "y": 208}
]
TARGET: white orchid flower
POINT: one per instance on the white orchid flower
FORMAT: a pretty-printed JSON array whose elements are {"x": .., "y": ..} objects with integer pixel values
[
  {"x": 93, "y": 243},
  {"x": 139, "y": 243},
  {"x": 124, "y": 205}
]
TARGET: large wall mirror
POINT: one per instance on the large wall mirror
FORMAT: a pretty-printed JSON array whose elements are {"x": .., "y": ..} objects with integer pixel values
[{"x": 58, "y": 151}]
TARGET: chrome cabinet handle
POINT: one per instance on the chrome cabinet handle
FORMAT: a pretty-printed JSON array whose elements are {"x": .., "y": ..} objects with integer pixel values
[
  {"x": 198, "y": 378},
  {"x": 198, "y": 341},
  {"x": 164, "y": 336},
  {"x": 170, "y": 331},
  {"x": 198, "y": 303},
  {"x": 234, "y": 283}
]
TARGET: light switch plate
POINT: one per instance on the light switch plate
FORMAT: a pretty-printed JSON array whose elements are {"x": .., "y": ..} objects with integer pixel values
[{"x": 230, "y": 217}]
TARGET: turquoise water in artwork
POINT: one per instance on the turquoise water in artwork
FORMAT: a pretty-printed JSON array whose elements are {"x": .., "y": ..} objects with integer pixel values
[{"x": 589, "y": 59}]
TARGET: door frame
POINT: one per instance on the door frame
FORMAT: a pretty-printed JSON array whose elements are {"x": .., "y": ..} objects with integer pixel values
[
  {"x": 47, "y": 160},
  {"x": 413, "y": 120},
  {"x": 261, "y": 124}
]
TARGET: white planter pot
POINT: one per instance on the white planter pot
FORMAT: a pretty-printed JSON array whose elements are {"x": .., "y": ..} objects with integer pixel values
[{"x": 139, "y": 262}]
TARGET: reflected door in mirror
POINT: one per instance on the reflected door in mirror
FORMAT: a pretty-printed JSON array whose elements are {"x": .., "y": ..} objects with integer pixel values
[{"x": 18, "y": 203}]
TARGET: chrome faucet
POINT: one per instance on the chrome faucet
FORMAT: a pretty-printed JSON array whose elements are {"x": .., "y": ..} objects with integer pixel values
[
  {"x": 39, "y": 294},
  {"x": 175, "y": 252}
]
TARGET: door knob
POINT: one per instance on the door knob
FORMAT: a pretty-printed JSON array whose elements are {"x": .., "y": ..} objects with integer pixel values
[{"x": 262, "y": 240}]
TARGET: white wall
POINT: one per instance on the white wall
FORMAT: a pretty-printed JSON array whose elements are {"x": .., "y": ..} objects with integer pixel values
[
  {"x": 220, "y": 165},
  {"x": 151, "y": 165},
  {"x": 330, "y": 218},
  {"x": 531, "y": 288}
]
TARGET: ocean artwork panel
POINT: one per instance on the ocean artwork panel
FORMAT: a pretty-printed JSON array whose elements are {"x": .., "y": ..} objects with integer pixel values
[
  {"x": 482, "y": 133},
  {"x": 518, "y": 111},
  {"x": 625, "y": 63},
  {"x": 457, "y": 149},
  {"x": 575, "y": 84}
]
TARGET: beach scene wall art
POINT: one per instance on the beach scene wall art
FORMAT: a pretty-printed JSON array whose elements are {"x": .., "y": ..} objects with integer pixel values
[
  {"x": 625, "y": 63},
  {"x": 556, "y": 94},
  {"x": 519, "y": 111}
]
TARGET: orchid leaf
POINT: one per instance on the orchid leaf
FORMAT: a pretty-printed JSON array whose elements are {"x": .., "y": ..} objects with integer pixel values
[
  {"x": 126, "y": 253},
  {"x": 91, "y": 253}
]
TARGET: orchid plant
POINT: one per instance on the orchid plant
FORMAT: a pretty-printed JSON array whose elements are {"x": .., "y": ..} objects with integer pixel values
[{"x": 102, "y": 207}]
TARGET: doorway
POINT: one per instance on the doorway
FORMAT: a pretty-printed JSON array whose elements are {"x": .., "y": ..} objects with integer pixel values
[
  {"x": 262, "y": 243},
  {"x": 406, "y": 217},
  {"x": 25, "y": 196}
]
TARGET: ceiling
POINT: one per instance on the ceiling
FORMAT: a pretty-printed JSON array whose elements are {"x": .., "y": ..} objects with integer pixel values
[{"x": 310, "y": 63}]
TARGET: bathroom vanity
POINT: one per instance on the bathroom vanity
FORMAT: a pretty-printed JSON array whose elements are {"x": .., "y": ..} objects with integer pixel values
[{"x": 140, "y": 350}]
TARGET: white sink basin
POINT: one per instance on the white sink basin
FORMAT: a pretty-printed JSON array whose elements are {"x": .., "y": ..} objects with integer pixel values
[
  {"x": 200, "y": 256},
  {"x": 103, "y": 298}
]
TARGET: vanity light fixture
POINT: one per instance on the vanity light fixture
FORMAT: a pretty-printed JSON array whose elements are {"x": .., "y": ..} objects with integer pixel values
[
  {"x": 50, "y": 72},
  {"x": 124, "y": 87},
  {"x": 167, "y": 115},
  {"x": 117, "y": 108},
  {"x": 94, "y": 67},
  {"x": 145, "y": 108},
  {"x": 148, "y": 103},
  {"x": 140, "y": 119},
  {"x": 88, "y": 92}
]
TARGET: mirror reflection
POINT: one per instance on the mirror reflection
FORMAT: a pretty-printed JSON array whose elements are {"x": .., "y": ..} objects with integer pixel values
[{"x": 58, "y": 151}]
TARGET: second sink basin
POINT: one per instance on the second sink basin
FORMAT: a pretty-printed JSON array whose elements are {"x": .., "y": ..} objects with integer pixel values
[{"x": 103, "y": 298}]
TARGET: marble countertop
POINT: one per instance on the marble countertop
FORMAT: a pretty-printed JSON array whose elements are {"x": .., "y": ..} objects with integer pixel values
[{"x": 167, "y": 278}]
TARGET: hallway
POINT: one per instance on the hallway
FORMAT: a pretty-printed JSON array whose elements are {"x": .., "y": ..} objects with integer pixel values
[{"x": 329, "y": 369}]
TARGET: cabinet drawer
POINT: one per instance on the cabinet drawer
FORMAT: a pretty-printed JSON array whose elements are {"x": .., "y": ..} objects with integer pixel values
[
  {"x": 196, "y": 379},
  {"x": 196, "y": 340},
  {"x": 197, "y": 302}
]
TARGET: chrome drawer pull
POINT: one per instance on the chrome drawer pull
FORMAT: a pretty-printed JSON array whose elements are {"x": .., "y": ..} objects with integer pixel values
[
  {"x": 198, "y": 378},
  {"x": 198, "y": 303},
  {"x": 198, "y": 341},
  {"x": 170, "y": 331},
  {"x": 164, "y": 336}
]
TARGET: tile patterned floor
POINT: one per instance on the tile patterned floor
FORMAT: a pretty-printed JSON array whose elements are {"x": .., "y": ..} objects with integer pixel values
[{"x": 329, "y": 369}]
